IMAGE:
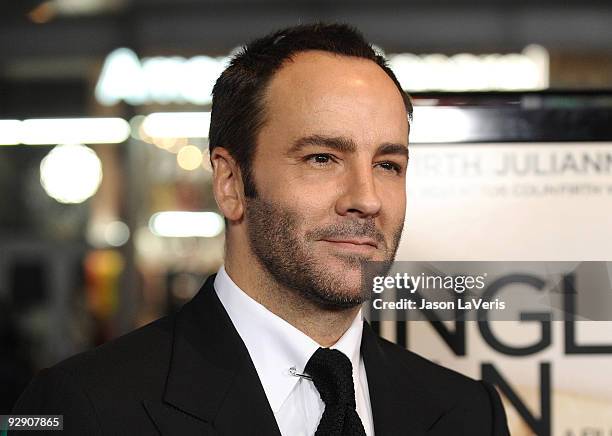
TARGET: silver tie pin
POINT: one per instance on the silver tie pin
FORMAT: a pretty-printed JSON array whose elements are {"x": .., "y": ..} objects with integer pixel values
[{"x": 294, "y": 373}]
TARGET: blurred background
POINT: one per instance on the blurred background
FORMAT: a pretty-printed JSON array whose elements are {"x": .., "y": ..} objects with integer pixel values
[{"x": 107, "y": 219}]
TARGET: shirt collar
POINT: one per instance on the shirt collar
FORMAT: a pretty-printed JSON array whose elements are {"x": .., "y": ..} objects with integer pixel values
[{"x": 275, "y": 345}]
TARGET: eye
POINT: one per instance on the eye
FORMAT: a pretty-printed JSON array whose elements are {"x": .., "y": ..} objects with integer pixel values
[
  {"x": 320, "y": 159},
  {"x": 391, "y": 166}
]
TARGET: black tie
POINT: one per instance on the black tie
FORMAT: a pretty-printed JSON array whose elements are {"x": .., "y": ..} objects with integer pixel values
[{"x": 332, "y": 374}]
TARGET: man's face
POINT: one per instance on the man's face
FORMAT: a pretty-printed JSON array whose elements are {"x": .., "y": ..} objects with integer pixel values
[{"x": 330, "y": 173}]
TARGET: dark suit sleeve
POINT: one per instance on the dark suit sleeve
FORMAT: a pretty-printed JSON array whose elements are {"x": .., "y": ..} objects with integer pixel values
[
  {"x": 479, "y": 413},
  {"x": 498, "y": 420},
  {"x": 55, "y": 392}
]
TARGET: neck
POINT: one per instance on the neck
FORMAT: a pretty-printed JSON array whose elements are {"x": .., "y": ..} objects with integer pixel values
[{"x": 323, "y": 325}]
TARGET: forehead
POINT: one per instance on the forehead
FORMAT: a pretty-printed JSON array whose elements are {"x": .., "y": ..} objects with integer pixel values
[{"x": 324, "y": 93}]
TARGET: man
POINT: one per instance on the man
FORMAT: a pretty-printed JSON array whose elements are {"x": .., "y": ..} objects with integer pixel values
[{"x": 308, "y": 139}]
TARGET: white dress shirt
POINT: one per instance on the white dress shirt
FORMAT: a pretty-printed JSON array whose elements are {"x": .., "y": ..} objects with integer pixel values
[{"x": 275, "y": 346}]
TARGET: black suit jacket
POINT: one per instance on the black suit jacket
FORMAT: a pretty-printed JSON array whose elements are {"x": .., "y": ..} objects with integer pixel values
[{"x": 190, "y": 374}]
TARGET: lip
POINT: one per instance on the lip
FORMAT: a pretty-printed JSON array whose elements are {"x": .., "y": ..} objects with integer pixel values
[{"x": 355, "y": 243}]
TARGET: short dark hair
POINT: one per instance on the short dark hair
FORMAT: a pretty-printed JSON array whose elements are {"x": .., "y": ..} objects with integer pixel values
[{"x": 238, "y": 111}]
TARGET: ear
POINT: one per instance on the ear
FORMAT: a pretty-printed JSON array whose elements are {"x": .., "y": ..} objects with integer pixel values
[{"x": 228, "y": 188}]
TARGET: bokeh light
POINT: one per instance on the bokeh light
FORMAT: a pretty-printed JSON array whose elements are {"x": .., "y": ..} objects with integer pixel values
[
  {"x": 186, "y": 224},
  {"x": 71, "y": 173},
  {"x": 189, "y": 157}
]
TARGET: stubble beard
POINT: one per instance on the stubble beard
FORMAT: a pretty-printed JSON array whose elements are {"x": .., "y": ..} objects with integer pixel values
[{"x": 273, "y": 233}]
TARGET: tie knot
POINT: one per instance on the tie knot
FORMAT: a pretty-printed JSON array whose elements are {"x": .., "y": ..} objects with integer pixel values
[{"x": 332, "y": 375}]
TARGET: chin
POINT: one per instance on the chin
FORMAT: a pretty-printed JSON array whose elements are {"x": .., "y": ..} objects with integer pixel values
[{"x": 348, "y": 276}]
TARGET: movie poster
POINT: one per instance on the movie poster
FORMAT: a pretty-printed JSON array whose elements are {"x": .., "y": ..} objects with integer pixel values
[{"x": 519, "y": 202}]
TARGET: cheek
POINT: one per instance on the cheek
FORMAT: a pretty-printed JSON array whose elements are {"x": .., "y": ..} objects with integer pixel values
[
  {"x": 312, "y": 200},
  {"x": 306, "y": 211},
  {"x": 394, "y": 205}
]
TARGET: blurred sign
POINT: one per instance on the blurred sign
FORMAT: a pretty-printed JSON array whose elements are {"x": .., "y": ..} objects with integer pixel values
[{"x": 164, "y": 80}]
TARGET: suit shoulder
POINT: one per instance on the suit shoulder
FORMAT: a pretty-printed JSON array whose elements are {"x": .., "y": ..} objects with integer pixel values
[
  {"x": 471, "y": 407},
  {"x": 438, "y": 378},
  {"x": 141, "y": 354},
  {"x": 106, "y": 384}
]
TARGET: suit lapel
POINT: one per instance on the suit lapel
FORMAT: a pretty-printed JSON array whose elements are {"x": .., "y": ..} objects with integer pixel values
[
  {"x": 213, "y": 387},
  {"x": 401, "y": 404},
  {"x": 211, "y": 377}
]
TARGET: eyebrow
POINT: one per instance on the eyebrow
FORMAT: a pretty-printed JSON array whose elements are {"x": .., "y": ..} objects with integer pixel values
[{"x": 346, "y": 145}]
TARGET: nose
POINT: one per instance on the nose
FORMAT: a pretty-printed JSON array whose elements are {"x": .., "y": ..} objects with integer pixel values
[{"x": 359, "y": 197}]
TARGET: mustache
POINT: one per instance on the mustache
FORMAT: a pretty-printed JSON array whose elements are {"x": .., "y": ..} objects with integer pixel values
[{"x": 349, "y": 229}]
